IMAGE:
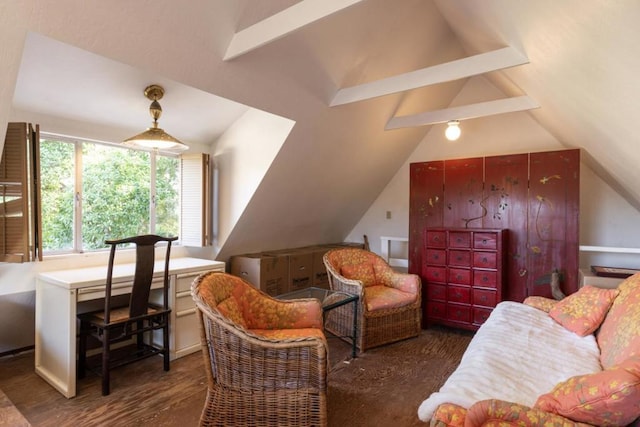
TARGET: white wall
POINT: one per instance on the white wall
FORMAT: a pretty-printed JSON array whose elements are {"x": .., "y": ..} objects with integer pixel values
[
  {"x": 242, "y": 156},
  {"x": 606, "y": 219}
]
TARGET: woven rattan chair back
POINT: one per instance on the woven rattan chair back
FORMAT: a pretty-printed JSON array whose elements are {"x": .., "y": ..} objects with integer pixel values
[{"x": 253, "y": 380}]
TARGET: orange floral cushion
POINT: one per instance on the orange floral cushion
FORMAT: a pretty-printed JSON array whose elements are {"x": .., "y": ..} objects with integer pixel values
[
  {"x": 289, "y": 334},
  {"x": 619, "y": 335},
  {"x": 363, "y": 272},
  {"x": 541, "y": 303},
  {"x": 498, "y": 413},
  {"x": 607, "y": 398},
  {"x": 583, "y": 311},
  {"x": 250, "y": 308},
  {"x": 449, "y": 415},
  {"x": 230, "y": 309},
  {"x": 384, "y": 297}
]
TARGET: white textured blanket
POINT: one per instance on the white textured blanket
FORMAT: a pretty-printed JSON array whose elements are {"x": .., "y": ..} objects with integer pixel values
[{"x": 518, "y": 354}]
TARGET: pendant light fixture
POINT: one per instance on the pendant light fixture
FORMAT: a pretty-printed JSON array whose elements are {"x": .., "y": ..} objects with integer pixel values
[
  {"x": 452, "y": 133},
  {"x": 154, "y": 137}
]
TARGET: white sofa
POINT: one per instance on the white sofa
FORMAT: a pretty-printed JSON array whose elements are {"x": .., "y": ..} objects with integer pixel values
[
  {"x": 521, "y": 359},
  {"x": 517, "y": 355}
]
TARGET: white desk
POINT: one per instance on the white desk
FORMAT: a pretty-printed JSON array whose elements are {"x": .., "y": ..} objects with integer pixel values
[{"x": 61, "y": 295}]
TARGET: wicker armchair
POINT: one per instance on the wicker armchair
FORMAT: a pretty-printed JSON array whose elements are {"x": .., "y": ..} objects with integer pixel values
[
  {"x": 389, "y": 304},
  {"x": 265, "y": 359}
]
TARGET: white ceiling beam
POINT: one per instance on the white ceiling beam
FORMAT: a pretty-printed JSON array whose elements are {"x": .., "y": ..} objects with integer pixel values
[
  {"x": 464, "y": 112},
  {"x": 454, "y": 70},
  {"x": 283, "y": 23}
]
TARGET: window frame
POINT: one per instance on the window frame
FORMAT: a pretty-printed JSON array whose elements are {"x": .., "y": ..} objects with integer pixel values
[{"x": 77, "y": 142}]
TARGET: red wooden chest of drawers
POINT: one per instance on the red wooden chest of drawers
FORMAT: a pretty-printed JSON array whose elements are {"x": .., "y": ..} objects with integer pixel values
[{"x": 464, "y": 270}]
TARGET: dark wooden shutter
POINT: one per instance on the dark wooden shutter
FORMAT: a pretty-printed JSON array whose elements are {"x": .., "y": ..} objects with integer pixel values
[{"x": 20, "y": 224}]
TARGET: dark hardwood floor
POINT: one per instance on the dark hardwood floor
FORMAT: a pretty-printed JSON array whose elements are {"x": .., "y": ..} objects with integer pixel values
[{"x": 142, "y": 394}]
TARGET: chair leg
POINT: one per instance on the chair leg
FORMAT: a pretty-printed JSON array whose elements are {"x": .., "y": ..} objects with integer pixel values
[
  {"x": 165, "y": 342},
  {"x": 105, "y": 362},
  {"x": 82, "y": 349},
  {"x": 140, "y": 335}
]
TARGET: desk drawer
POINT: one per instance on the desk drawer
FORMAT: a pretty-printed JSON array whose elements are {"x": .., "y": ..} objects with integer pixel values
[
  {"x": 122, "y": 288},
  {"x": 184, "y": 301},
  {"x": 186, "y": 332},
  {"x": 183, "y": 281}
]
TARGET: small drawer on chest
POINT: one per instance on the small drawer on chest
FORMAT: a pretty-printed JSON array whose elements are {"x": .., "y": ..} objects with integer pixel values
[
  {"x": 460, "y": 276},
  {"x": 485, "y": 260},
  {"x": 460, "y": 258},
  {"x": 436, "y": 292},
  {"x": 459, "y": 313},
  {"x": 485, "y": 241},
  {"x": 436, "y": 274},
  {"x": 436, "y": 256},
  {"x": 459, "y": 239},
  {"x": 485, "y": 279},
  {"x": 436, "y": 239},
  {"x": 480, "y": 315},
  {"x": 461, "y": 294},
  {"x": 436, "y": 309},
  {"x": 484, "y": 297}
]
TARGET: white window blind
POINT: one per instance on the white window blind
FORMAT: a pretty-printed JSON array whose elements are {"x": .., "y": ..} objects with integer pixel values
[{"x": 195, "y": 203}]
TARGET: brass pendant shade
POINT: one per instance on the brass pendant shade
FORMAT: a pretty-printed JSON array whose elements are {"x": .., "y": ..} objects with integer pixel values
[{"x": 154, "y": 137}]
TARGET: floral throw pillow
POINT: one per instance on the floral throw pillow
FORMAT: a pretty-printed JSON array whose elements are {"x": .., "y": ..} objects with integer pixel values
[
  {"x": 583, "y": 311},
  {"x": 607, "y": 398},
  {"x": 363, "y": 272}
]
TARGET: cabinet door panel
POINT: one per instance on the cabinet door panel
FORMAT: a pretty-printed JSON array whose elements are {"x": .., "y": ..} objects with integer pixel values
[
  {"x": 506, "y": 195},
  {"x": 553, "y": 220},
  {"x": 425, "y": 206},
  {"x": 463, "y": 182}
]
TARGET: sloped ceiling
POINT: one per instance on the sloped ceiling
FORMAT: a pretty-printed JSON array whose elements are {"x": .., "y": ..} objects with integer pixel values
[{"x": 580, "y": 71}]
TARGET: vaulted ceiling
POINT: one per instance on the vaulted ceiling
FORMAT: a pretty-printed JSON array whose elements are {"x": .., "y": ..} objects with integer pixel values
[{"x": 363, "y": 81}]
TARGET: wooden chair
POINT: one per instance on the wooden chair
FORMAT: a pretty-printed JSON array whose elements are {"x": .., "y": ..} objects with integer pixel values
[
  {"x": 265, "y": 359},
  {"x": 117, "y": 323},
  {"x": 389, "y": 302}
]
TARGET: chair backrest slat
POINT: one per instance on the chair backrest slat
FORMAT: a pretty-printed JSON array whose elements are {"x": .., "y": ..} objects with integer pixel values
[{"x": 143, "y": 276}]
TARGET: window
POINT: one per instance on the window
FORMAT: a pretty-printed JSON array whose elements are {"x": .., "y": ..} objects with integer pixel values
[{"x": 94, "y": 191}]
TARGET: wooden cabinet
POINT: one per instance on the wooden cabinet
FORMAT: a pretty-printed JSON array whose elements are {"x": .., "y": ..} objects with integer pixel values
[
  {"x": 462, "y": 275},
  {"x": 533, "y": 195}
]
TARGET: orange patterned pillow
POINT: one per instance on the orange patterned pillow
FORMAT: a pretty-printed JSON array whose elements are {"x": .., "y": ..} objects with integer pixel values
[
  {"x": 541, "y": 303},
  {"x": 606, "y": 398},
  {"x": 584, "y": 311},
  {"x": 363, "y": 272}
]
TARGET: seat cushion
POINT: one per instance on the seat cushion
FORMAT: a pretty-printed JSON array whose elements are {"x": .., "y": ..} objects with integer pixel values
[
  {"x": 288, "y": 334},
  {"x": 383, "y": 297}
]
